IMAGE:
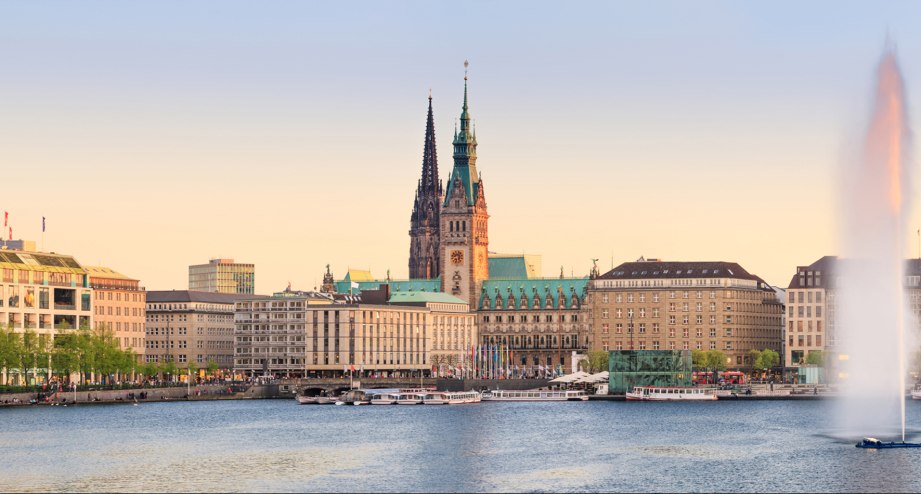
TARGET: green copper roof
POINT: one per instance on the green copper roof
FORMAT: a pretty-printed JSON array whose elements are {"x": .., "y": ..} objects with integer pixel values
[
  {"x": 512, "y": 268},
  {"x": 409, "y": 297},
  {"x": 433, "y": 285},
  {"x": 464, "y": 156},
  {"x": 494, "y": 290}
]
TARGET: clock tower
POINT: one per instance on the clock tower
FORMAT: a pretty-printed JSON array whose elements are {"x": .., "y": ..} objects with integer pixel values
[{"x": 464, "y": 221}]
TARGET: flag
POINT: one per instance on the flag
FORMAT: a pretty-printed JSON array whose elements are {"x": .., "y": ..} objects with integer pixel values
[{"x": 43, "y": 224}]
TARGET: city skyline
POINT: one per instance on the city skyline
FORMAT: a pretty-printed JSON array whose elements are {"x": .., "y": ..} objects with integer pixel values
[{"x": 154, "y": 137}]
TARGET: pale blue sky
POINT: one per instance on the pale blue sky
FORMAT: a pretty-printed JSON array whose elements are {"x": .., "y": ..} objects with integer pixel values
[{"x": 154, "y": 135}]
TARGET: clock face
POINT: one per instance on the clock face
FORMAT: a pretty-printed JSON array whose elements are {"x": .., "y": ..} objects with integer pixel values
[{"x": 457, "y": 256}]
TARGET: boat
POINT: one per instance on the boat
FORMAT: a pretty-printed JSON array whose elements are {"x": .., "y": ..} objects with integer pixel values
[
  {"x": 414, "y": 398},
  {"x": 873, "y": 443},
  {"x": 435, "y": 398},
  {"x": 657, "y": 393},
  {"x": 310, "y": 396},
  {"x": 384, "y": 399},
  {"x": 355, "y": 397},
  {"x": 535, "y": 395},
  {"x": 462, "y": 397},
  {"x": 916, "y": 393}
]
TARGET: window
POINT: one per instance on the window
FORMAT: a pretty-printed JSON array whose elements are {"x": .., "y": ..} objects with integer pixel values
[
  {"x": 618, "y": 328},
  {"x": 642, "y": 327},
  {"x": 604, "y": 298},
  {"x": 605, "y": 328},
  {"x": 713, "y": 332},
  {"x": 604, "y": 313},
  {"x": 671, "y": 320},
  {"x": 655, "y": 328}
]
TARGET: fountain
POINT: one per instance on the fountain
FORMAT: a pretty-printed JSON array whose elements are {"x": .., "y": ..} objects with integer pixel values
[{"x": 871, "y": 316}]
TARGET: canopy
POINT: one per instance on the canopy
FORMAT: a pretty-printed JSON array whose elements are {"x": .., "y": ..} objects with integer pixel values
[
  {"x": 568, "y": 378},
  {"x": 594, "y": 378}
]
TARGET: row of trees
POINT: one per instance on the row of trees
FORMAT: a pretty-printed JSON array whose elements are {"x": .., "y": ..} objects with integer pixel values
[
  {"x": 83, "y": 352},
  {"x": 88, "y": 354}
]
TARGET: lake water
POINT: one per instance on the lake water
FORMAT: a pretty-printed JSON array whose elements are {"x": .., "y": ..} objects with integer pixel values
[{"x": 277, "y": 445}]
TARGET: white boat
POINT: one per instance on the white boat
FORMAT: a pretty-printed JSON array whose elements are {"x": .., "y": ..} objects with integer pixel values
[
  {"x": 656, "y": 393},
  {"x": 384, "y": 399},
  {"x": 462, "y": 397},
  {"x": 535, "y": 395},
  {"x": 435, "y": 398},
  {"x": 410, "y": 398},
  {"x": 315, "y": 396},
  {"x": 916, "y": 393}
]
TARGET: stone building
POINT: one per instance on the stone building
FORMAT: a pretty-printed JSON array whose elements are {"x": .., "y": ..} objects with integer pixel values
[
  {"x": 120, "y": 307},
  {"x": 309, "y": 334},
  {"x": 425, "y": 222},
  {"x": 186, "y": 326},
  {"x": 656, "y": 305},
  {"x": 542, "y": 321},
  {"x": 464, "y": 219}
]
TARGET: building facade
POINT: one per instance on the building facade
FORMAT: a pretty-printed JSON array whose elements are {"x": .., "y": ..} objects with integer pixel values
[
  {"x": 185, "y": 326},
  {"x": 812, "y": 308},
  {"x": 48, "y": 294},
  {"x": 120, "y": 307},
  {"x": 655, "y": 305},
  {"x": 542, "y": 321},
  {"x": 223, "y": 276},
  {"x": 464, "y": 219},
  {"x": 425, "y": 222},
  {"x": 308, "y": 334}
]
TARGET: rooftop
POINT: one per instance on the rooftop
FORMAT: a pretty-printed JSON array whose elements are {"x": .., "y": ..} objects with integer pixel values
[{"x": 159, "y": 296}]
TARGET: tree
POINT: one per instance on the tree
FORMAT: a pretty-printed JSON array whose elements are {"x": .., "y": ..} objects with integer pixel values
[
  {"x": 816, "y": 357},
  {"x": 769, "y": 358},
  {"x": 716, "y": 360},
  {"x": 170, "y": 369},
  {"x": 699, "y": 359},
  {"x": 596, "y": 361},
  {"x": 193, "y": 370},
  {"x": 212, "y": 367},
  {"x": 756, "y": 358},
  {"x": 149, "y": 369}
]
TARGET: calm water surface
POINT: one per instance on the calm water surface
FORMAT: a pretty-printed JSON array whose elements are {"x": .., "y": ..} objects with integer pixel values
[{"x": 277, "y": 445}]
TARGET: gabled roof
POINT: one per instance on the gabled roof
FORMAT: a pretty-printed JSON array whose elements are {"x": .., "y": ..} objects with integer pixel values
[
  {"x": 507, "y": 268},
  {"x": 528, "y": 288},
  {"x": 358, "y": 275}
]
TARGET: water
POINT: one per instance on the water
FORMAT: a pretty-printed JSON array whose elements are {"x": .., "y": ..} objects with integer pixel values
[
  {"x": 872, "y": 304},
  {"x": 277, "y": 445}
]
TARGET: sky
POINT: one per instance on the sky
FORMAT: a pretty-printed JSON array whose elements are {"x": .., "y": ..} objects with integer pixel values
[{"x": 155, "y": 135}]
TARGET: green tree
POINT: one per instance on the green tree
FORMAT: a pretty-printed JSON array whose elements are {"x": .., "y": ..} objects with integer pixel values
[
  {"x": 596, "y": 361},
  {"x": 193, "y": 371},
  {"x": 756, "y": 358},
  {"x": 149, "y": 369},
  {"x": 815, "y": 357},
  {"x": 769, "y": 358},
  {"x": 699, "y": 359},
  {"x": 170, "y": 369},
  {"x": 212, "y": 367},
  {"x": 716, "y": 360},
  {"x": 10, "y": 351}
]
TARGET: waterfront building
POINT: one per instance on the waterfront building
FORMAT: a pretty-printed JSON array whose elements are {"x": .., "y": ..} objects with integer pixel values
[
  {"x": 542, "y": 321},
  {"x": 464, "y": 219},
  {"x": 223, "y": 276},
  {"x": 812, "y": 306},
  {"x": 45, "y": 293},
  {"x": 120, "y": 304},
  {"x": 425, "y": 222},
  {"x": 656, "y": 305},
  {"x": 185, "y": 326},
  {"x": 309, "y": 334}
]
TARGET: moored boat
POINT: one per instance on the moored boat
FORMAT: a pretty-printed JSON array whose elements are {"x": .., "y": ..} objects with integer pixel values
[
  {"x": 414, "y": 398},
  {"x": 435, "y": 398},
  {"x": 314, "y": 396},
  {"x": 916, "y": 393},
  {"x": 664, "y": 393},
  {"x": 535, "y": 395},
  {"x": 384, "y": 399},
  {"x": 462, "y": 397}
]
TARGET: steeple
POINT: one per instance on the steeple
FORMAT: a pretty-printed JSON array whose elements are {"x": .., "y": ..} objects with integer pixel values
[
  {"x": 430, "y": 182},
  {"x": 425, "y": 222},
  {"x": 464, "y": 151}
]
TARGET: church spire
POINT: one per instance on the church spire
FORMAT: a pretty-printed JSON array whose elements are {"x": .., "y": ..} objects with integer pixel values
[{"x": 430, "y": 182}]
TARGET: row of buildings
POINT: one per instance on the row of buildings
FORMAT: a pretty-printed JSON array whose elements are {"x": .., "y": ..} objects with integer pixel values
[{"x": 461, "y": 302}]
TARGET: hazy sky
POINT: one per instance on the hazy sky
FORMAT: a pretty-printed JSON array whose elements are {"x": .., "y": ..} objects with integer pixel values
[{"x": 154, "y": 135}]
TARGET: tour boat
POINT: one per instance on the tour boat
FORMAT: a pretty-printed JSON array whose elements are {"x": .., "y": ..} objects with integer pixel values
[
  {"x": 435, "y": 398},
  {"x": 355, "y": 397},
  {"x": 314, "y": 396},
  {"x": 873, "y": 443},
  {"x": 655, "y": 393},
  {"x": 384, "y": 399},
  {"x": 410, "y": 398},
  {"x": 535, "y": 395},
  {"x": 462, "y": 397}
]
